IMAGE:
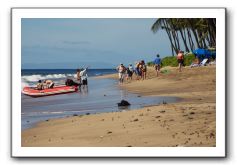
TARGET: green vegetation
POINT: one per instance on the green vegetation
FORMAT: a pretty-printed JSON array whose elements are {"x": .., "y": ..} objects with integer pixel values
[
  {"x": 169, "y": 61},
  {"x": 172, "y": 61}
]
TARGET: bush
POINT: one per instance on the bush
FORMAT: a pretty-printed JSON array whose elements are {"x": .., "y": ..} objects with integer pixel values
[
  {"x": 172, "y": 60},
  {"x": 150, "y": 63},
  {"x": 169, "y": 61},
  {"x": 188, "y": 59}
]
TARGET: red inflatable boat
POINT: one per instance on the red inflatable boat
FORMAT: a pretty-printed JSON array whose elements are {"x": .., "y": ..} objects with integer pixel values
[{"x": 31, "y": 91}]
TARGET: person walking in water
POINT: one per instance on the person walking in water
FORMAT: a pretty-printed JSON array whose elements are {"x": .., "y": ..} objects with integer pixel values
[
  {"x": 84, "y": 76},
  {"x": 121, "y": 70},
  {"x": 180, "y": 58},
  {"x": 78, "y": 76},
  {"x": 157, "y": 63}
]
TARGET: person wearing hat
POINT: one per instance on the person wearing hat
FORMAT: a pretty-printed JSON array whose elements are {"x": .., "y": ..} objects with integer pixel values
[
  {"x": 180, "y": 58},
  {"x": 121, "y": 71},
  {"x": 157, "y": 63}
]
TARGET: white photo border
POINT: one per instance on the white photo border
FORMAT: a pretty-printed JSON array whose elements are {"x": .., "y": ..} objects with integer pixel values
[{"x": 219, "y": 13}]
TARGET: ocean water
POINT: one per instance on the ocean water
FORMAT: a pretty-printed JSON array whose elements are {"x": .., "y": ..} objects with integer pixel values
[{"x": 102, "y": 95}]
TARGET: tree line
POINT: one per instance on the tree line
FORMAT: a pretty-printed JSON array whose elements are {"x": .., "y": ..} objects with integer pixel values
[{"x": 192, "y": 32}]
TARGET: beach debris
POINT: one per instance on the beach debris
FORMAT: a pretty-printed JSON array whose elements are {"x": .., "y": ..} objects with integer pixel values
[
  {"x": 123, "y": 103},
  {"x": 139, "y": 96},
  {"x": 88, "y": 113},
  {"x": 27, "y": 121},
  {"x": 124, "y": 126},
  {"x": 135, "y": 120},
  {"x": 47, "y": 120},
  {"x": 141, "y": 114},
  {"x": 192, "y": 113},
  {"x": 75, "y": 115},
  {"x": 171, "y": 119},
  {"x": 109, "y": 132},
  {"x": 148, "y": 110},
  {"x": 104, "y": 94},
  {"x": 102, "y": 119},
  {"x": 129, "y": 146},
  {"x": 212, "y": 135},
  {"x": 164, "y": 102},
  {"x": 162, "y": 111},
  {"x": 157, "y": 117}
]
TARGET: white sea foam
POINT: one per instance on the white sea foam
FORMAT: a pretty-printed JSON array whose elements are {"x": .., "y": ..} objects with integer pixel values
[{"x": 35, "y": 78}]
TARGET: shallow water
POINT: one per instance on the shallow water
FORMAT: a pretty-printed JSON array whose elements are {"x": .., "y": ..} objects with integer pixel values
[{"x": 102, "y": 95}]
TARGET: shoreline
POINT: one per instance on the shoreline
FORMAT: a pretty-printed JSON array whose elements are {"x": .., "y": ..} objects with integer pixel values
[{"x": 190, "y": 122}]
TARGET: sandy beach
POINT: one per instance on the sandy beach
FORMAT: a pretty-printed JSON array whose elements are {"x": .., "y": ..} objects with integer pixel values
[{"x": 190, "y": 122}]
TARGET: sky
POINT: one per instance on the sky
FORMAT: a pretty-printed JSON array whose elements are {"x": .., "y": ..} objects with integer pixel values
[{"x": 53, "y": 43}]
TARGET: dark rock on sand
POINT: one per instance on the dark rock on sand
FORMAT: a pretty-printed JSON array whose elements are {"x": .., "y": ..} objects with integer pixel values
[{"x": 123, "y": 103}]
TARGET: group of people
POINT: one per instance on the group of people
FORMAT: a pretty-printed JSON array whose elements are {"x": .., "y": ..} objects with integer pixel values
[
  {"x": 81, "y": 77},
  {"x": 46, "y": 84},
  {"x": 140, "y": 68}
]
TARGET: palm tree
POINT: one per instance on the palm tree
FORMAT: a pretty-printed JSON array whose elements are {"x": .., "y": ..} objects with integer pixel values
[{"x": 193, "y": 32}]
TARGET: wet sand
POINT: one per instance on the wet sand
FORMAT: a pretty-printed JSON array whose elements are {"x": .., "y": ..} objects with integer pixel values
[{"x": 191, "y": 122}]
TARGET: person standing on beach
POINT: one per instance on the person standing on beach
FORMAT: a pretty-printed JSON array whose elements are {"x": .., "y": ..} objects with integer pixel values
[
  {"x": 180, "y": 58},
  {"x": 121, "y": 70},
  {"x": 157, "y": 63},
  {"x": 137, "y": 70},
  {"x": 143, "y": 69},
  {"x": 130, "y": 71}
]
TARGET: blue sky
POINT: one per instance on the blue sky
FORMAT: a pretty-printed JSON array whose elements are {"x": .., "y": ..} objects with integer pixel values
[{"x": 98, "y": 43}]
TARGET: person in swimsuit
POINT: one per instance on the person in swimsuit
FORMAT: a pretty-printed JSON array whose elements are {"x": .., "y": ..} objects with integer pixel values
[
  {"x": 40, "y": 85},
  {"x": 121, "y": 71},
  {"x": 48, "y": 83},
  {"x": 143, "y": 69},
  {"x": 180, "y": 59}
]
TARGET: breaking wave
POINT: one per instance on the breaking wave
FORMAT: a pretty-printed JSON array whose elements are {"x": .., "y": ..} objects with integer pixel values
[
  {"x": 35, "y": 78},
  {"x": 30, "y": 80}
]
